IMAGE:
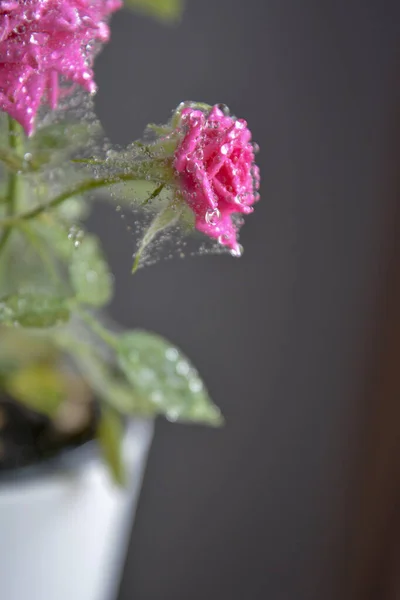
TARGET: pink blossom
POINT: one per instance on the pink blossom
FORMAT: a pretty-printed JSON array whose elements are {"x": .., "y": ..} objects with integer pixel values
[
  {"x": 218, "y": 176},
  {"x": 41, "y": 40}
]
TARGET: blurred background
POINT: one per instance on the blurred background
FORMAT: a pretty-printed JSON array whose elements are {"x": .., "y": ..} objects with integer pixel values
[{"x": 258, "y": 509}]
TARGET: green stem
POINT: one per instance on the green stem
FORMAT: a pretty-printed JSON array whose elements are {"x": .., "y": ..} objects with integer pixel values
[
  {"x": 4, "y": 238},
  {"x": 85, "y": 186},
  {"x": 12, "y": 187},
  {"x": 11, "y": 160},
  {"x": 97, "y": 328}
]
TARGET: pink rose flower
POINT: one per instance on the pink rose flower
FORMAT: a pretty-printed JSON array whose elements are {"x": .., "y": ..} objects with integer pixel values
[
  {"x": 41, "y": 40},
  {"x": 218, "y": 176}
]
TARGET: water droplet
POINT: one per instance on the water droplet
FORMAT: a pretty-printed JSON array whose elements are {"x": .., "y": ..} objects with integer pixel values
[
  {"x": 191, "y": 164},
  {"x": 182, "y": 367},
  {"x": 76, "y": 235},
  {"x": 224, "y": 108},
  {"x": 172, "y": 354},
  {"x": 212, "y": 216},
  {"x": 256, "y": 148},
  {"x": 173, "y": 414},
  {"x": 91, "y": 276},
  {"x": 146, "y": 375},
  {"x": 156, "y": 397},
  {"x": 28, "y": 156},
  {"x": 199, "y": 154},
  {"x": 238, "y": 199},
  {"x": 223, "y": 239},
  {"x": 195, "y": 385},
  {"x": 237, "y": 252}
]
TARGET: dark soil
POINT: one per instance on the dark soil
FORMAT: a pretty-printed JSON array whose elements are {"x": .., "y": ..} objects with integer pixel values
[{"x": 27, "y": 438}]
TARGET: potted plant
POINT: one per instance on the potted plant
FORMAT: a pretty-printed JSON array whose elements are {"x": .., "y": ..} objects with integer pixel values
[{"x": 77, "y": 393}]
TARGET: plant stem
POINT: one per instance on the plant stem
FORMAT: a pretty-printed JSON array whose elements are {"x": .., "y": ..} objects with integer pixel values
[
  {"x": 12, "y": 187},
  {"x": 84, "y": 186},
  {"x": 97, "y": 328},
  {"x": 4, "y": 238}
]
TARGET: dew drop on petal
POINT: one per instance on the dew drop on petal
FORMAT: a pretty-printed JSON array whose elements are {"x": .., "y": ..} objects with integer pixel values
[
  {"x": 237, "y": 252},
  {"x": 212, "y": 216},
  {"x": 223, "y": 239},
  {"x": 224, "y": 108}
]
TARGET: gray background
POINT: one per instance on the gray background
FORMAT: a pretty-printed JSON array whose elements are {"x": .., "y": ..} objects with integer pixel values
[{"x": 256, "y": 510}]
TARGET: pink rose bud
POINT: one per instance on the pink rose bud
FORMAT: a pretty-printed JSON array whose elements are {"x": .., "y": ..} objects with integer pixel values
[
  {"x": 216, "y": 169},
  {"x": 41, "y": 40}
]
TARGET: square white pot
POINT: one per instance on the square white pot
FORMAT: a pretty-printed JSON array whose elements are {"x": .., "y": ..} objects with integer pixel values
[{"x": 64, "y": 525}]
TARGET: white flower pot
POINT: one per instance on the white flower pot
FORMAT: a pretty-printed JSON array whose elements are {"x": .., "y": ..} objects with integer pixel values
[{"x": 64, "y": 526}]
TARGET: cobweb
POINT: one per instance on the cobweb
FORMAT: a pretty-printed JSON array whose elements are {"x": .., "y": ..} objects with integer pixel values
[{"x": 83, "y": 139}]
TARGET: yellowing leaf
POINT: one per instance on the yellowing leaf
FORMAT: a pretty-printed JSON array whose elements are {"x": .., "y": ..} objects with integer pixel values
[
  {"x": 166, "y": 10},
  {"x": 39, "y": 387},
  {"x": 109, "y": 435}
]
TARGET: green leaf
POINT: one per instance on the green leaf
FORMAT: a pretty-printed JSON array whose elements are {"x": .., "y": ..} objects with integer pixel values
[
  {"x": 109, "y": 386},
  {"x": 33, "y": 310},
  {"x": 159, "y": 130},
  {"x": 56, "y": 235},
  {"x": 134, "y": 193},
  {"x": 163, "y": 375},
  {"x": 166, "y": 10},
  {"x": 39, "y": 387},
  {"x": 167, "y": 217},
  {"x": 110, "y": 435},
  {"x": 38, "y": 244},
  {"x": 90, "y": 276},
  {"x": 74, "y": 209},
  {"x": 22, "y": 270}
]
